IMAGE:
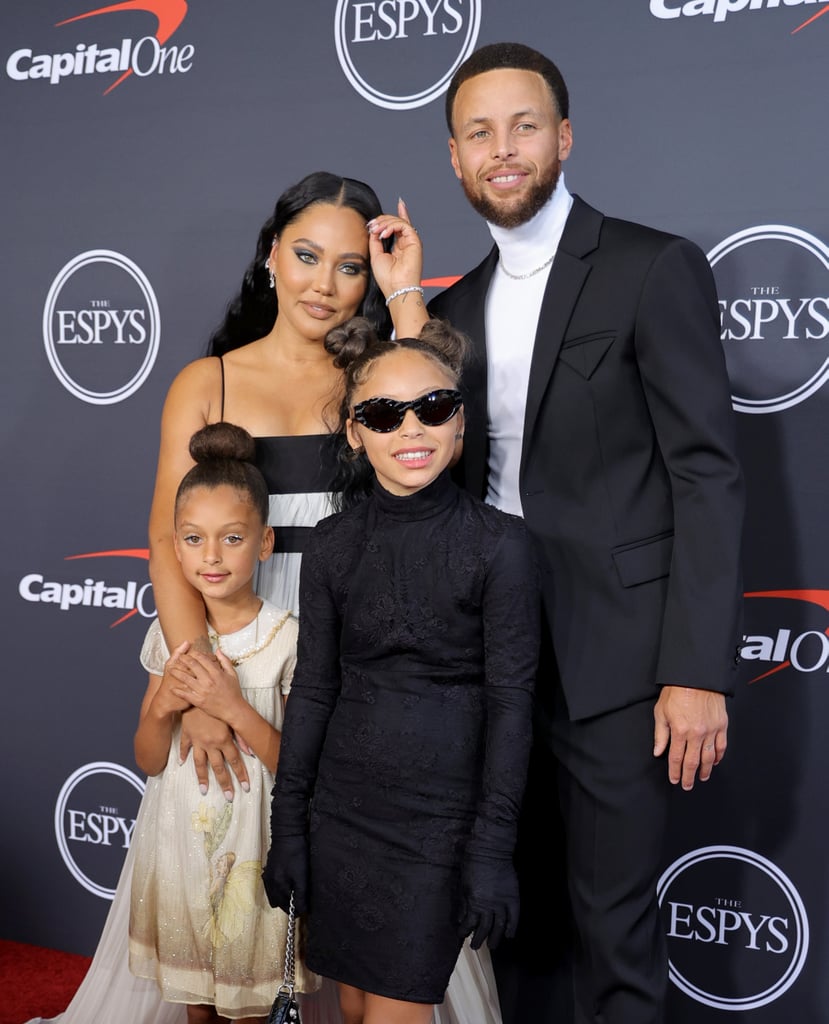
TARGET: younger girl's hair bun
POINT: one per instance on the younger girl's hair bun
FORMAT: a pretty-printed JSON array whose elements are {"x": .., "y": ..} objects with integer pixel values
[
  {"x": 350, "y": 340},
  {"x": 222, "y": 441}
]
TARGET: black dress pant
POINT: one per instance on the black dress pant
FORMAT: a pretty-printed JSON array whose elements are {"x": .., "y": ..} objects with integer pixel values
[{"x": 590, "y": 946}]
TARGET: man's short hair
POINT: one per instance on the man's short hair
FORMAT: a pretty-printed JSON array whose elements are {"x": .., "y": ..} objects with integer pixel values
[{"x": 497, "y": 56}]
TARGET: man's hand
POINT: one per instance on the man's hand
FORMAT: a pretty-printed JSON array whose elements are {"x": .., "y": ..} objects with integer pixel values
[{"x": 693, "y": 726}]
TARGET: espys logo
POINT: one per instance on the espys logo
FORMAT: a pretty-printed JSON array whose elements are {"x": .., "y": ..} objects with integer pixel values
[
  {"x": 773, "y": 283},
  {"x": 401, "y": 54},
  {"x": 737, "y": 930},
  {"x": 132, "y": 598},
  {"x": 95, "y": 816},
  {"x": 101, "y": 327},
  {"x": 146, "y": 56},
  {"x": 721, "y": 9},
  {"x": 804, "y": 650}
]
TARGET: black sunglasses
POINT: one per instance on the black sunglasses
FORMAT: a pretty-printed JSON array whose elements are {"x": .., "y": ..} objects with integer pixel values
[{"x": 385, "y": 414}]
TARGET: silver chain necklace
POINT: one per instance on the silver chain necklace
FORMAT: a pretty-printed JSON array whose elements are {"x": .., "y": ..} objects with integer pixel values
[{"x": 530, "y": 273}]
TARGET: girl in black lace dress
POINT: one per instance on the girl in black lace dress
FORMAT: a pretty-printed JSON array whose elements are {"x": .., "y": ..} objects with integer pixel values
[{"x": 406, "y": 737}]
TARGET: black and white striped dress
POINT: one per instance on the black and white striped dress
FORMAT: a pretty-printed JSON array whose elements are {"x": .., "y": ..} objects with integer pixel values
[{"x": 298, "y": 471}]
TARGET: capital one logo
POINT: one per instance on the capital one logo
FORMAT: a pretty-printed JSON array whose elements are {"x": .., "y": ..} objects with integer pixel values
[
  {"x": 95, "y": 816},
  {"x": 773, "y": 283},
  {"x": 782, "y": 647},
  {"x": 401, "y": 54},
  {"x": 101, "y": 327},
  {"x": 131, "y": 598},
  {"x": 721, "y": 9},
  {"x": 149, "y": 55},
  {"x": 737, "y": 929}
]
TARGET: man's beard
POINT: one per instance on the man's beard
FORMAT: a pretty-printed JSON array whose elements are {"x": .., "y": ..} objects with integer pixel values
[{"x": 504, "y": 215}]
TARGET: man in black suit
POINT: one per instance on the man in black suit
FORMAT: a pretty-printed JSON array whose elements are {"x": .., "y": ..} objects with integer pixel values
[{"x": 599, "y": 409}]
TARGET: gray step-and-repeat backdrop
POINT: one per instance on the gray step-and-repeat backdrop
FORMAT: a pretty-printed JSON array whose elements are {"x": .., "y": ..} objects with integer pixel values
[{"x": 145, "y": 143}]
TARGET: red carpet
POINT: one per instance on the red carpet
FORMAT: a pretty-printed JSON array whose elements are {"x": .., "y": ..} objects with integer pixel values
[{"x": 37, "y": 982}]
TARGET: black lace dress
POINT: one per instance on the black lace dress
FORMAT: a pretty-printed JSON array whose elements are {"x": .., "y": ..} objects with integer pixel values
[{"x": 408, "y": 725}]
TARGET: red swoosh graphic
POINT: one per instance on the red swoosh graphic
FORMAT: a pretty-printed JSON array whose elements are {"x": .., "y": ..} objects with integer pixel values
[
  {"x": 117, "y": 553},
  {"x": 765, "y": 675},
  {"x": 123, "y": 618},
  {"x": 169, "y": 13},
  {"x": 809, "y": 21},
  {"x": 440, "y": 282},
  {"x": 818, "y": 597}
]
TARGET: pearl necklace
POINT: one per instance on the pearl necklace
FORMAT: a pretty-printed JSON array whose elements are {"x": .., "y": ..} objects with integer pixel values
[
  {"x": 242, "y": 652},
  {"x": 530, "y": 273}
]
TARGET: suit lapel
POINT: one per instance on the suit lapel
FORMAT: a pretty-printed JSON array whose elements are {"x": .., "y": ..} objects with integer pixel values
[
  {"x": 564, "y": 285},
  {"x": 468, "y": 315},
  {"x": 473, "y": 305}
]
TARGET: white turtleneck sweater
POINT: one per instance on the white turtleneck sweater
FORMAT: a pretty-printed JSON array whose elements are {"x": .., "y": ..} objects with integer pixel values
[{"x": 512, "y": 310}]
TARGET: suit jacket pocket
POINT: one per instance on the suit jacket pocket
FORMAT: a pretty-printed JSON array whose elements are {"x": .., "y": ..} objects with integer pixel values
[
  {"x": 584, "y": 354},
  {"x": 645, "y": 560}
]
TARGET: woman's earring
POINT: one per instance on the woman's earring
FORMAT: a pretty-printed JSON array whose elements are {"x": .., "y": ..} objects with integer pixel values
[{"x": 271, "y": 279}]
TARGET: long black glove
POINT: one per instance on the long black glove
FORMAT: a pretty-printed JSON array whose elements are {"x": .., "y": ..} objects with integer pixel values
[
  {"x": 490, "y": 902},
  {"x": 489, "y": 883},
  {"x": 286, "y": 871}
]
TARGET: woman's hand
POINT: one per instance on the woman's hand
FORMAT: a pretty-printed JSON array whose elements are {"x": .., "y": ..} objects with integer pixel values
[
  {"x": 199, "y": 681},
  {"x": 213, "y": 746},
  {"x": 403, "y": 266}
]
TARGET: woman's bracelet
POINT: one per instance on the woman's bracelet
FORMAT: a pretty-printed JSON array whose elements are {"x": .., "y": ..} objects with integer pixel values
[{"x": 403, "y": 291}]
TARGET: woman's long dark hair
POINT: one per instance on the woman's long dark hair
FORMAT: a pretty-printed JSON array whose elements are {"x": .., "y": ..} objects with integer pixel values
[
  {"x": 356, "y": 346},
  {"x": 251, "y": 314}
]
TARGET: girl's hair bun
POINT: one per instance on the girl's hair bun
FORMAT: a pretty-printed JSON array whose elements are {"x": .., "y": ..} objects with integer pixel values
[
  {"x": 350, "y": 341},
  {"x": 222, "y": 441}
]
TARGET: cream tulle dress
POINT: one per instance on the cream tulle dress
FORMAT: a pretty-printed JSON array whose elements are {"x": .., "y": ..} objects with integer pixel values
[{"x": 199, "y": 919}]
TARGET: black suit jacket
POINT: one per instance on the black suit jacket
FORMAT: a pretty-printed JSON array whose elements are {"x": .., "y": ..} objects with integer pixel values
[{"x": 629, "y": 480}]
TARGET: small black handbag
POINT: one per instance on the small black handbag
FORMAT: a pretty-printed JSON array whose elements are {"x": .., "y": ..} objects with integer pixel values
[{"x": 285, "y": 1009}]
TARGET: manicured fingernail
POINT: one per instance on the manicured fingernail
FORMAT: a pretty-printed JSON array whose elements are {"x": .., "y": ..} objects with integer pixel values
[
  {"x": 229, "y": 795},
  {"x": 246, "y": 787},
  {"x": 203, "y": 789}
]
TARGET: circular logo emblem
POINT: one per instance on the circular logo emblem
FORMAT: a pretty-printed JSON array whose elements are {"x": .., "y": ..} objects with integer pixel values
[
  {"x": 101, "y": 327},
  {"x": 94, "y": 818},
  {"x": 737, "y": 929},
  {"x": 401, "y": 54},
  {"x": 773, "y": 283}
]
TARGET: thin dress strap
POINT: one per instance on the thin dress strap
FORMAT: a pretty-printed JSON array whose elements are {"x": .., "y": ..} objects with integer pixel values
[{"x": 222, "y": 407}]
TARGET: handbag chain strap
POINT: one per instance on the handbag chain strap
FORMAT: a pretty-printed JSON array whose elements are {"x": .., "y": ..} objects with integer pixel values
[{"x": 290, "y": 965}]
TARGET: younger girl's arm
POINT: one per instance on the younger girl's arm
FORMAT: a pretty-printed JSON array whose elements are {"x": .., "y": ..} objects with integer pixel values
[
  {"x": 160, "y": 711},
  {"x": 212, "y": 685}
]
